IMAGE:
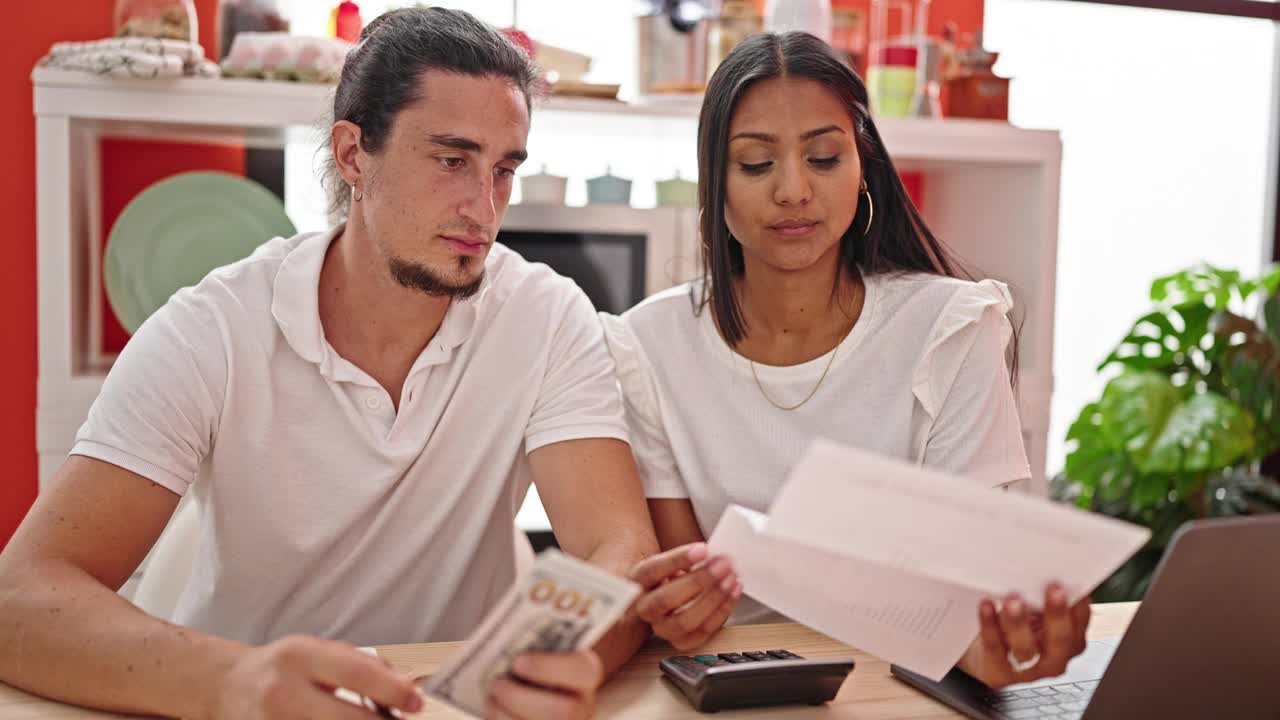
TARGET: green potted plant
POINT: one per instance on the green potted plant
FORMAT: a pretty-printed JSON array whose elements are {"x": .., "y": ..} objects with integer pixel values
[{"x": 1190, "y": 425}]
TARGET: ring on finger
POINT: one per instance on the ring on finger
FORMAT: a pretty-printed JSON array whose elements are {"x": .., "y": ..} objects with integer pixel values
[{"x": 1021, "y": 666}]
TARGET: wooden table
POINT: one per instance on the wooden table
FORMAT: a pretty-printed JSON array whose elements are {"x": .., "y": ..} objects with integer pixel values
[{"x": 639, "y": 692}]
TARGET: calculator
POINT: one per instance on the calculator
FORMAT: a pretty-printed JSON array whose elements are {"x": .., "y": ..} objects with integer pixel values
[{"x": 757, "y": 678}]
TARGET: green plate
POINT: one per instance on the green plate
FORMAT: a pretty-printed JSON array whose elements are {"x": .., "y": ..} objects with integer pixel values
[{"x": 173, "y": 233}]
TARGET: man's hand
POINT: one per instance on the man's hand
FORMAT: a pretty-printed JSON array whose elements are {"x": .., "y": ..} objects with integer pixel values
[{"x": 296, "y": 677}]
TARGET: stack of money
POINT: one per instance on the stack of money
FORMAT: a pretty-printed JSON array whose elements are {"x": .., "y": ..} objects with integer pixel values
[{"x": 561, "y": 605}]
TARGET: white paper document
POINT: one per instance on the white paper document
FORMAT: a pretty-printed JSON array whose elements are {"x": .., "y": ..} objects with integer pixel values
[{"x": 894, "y": 559}]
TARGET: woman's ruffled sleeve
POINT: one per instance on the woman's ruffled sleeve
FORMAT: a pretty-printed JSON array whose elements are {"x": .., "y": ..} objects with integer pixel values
[
  {"x": 962, "y": 384},
  {"x": 649, "y": 442}
]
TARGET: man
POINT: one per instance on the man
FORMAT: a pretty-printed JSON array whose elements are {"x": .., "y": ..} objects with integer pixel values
[{"x": 358, "y": 415}]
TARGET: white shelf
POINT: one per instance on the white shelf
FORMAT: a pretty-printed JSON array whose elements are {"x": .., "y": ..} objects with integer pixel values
[
  {"x": 197, "y": 101},
  {"x": 991, "y": 193},
  {"x": 256, "y": 111}
]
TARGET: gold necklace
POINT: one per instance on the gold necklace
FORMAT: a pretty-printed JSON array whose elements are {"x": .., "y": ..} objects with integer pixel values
[{"x": 830, "y": 361}]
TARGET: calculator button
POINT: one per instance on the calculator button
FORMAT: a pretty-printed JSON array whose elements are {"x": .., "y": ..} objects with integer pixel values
[
  {"x": 705, "y": 659},
  {"x": 733, "y": 657},
  {"x": 756, "y": 655},
  {"x": 784, "y": 655}
]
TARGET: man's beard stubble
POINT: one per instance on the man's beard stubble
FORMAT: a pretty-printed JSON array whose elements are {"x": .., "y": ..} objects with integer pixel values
[{"x": 423, "y": 279}]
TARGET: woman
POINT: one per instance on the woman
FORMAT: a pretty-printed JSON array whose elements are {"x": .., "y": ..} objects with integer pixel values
[{"x": 827, "y": 308}]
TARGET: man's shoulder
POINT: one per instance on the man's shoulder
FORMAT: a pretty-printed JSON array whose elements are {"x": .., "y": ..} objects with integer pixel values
[
  {"x": 241, "y": 289},
  {"x": 518, "y": 285}
]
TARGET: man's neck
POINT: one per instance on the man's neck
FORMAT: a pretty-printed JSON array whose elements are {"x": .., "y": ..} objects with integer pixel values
[{"x": 368, "y": 317}]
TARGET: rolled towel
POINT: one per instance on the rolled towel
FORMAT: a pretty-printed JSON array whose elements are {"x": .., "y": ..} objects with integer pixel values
[{"x": 132, "y": 57}]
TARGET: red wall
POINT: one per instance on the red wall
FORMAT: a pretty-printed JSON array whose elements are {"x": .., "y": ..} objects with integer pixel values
[
  {"x": 128, "y": 167},
  {"x": 44, "y": 24}
]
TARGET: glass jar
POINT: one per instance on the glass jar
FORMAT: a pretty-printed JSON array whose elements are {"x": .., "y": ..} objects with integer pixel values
[
  {"x": 237, "y": 16},
  {"x": 849, "y": 36},
  {"x": 738, "y": 20},
  {"x": 891, "y": 82},
  {"x": 672, "y": 45},
  {"x": 811, "y": 16},
  {"x": 169, "y": 19}
]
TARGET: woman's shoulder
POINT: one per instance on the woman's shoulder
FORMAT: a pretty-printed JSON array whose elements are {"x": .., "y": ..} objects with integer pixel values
[
  {"x": 903, "y": 296},
  {"x": 671, "y": 311},
  {"x": 946, "y": 316},
  {"x": 679, "y": 299},
  {"x": 646, "y": 334},
  {"x": 665, "y": 312}
]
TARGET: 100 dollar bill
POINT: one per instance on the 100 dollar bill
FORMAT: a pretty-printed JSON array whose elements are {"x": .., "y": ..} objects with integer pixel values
[{"x": 561, "y": 604}]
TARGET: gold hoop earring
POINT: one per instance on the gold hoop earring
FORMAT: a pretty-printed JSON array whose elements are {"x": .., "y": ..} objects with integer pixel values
[
  {"x": 356, "y": 194},
  {"x": 871, "y": 210}
]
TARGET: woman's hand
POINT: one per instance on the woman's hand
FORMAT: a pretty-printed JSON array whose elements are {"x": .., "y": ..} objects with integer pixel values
[
  {"x": 687, "y": 595},
  {"x": 1016, "y": 645},
  {"x": 547, "y": 686}
]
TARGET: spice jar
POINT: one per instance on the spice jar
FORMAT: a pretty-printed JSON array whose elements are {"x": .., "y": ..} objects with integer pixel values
[
  {"x": 891, "y": 82},
  {"x": 738, "y": 21}
]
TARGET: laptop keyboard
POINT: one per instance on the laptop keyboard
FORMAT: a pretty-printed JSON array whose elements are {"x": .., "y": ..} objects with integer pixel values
[{"x": 1060, "y": 702}]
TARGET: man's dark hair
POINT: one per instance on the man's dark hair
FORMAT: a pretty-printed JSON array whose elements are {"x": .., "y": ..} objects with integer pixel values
[{"x": 382, "y": 73}]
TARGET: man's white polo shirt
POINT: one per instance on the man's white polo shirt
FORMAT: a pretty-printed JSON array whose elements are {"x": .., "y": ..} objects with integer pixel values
[{"x": 323, "y": 510}]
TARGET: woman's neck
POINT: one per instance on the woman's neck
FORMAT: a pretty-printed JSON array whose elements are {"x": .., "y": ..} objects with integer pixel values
[{"x": 792, "y": 317}]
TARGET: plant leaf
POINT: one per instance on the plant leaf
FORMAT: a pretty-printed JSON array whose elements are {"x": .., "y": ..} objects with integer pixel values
[
  {"x": 1271, "y": 317},
  {"x": 1187, "y": 485},
  {"x": 1247, "y": 371},
  {"x": 1271, "y": 280},
  {"x": 1149, "y": 490},
  {"x": 1203, "y": 434},
  {"x": 1165, "y": 340},
  {"x": 1203, "y": 284},
  {"x": 1134, "y": 408},
  {"x": 1146, "y": 417},
  {"x": 1095, "y": 464}
]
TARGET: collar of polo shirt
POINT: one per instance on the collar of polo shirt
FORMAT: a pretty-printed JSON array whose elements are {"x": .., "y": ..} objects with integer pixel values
[{"x": 296, "y": 309}]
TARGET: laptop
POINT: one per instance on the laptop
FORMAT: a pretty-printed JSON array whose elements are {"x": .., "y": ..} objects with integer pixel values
[{"x": 1205, "y": 643}]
